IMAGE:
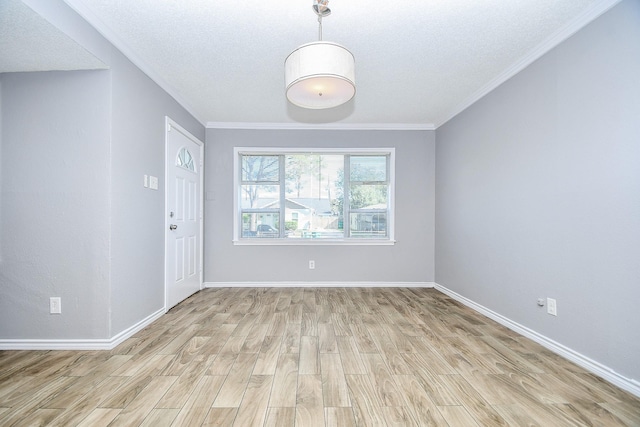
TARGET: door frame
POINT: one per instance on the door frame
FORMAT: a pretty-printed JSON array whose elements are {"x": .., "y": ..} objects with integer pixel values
[{"x": 169, "y": 162}]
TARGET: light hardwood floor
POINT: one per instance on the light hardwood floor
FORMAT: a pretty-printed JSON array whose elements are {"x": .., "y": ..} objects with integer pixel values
[{"x": 311, "y": 357}]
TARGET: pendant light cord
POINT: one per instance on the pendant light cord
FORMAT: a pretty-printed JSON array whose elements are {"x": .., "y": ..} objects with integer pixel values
[{"x": 320, "y": 27}]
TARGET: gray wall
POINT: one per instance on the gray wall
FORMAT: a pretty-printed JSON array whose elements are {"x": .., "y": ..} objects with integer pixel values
[
  {"x": 538, "y": 194},
  {"x": 138, "y": 148},
  {"x": 75, "y": 219},
  {"x": 409, "y": 260},
  {"x": 54, "y": 204}
]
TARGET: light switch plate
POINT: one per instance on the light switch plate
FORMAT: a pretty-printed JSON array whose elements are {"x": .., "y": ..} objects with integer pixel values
[{"x": 153, "y": 182}]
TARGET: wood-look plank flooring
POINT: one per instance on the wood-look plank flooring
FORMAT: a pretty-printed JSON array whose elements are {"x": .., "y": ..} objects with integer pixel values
[{"x": 311, "y": 357}]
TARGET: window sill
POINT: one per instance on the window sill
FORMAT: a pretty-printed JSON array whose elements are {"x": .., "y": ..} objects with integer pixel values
[{"x": 313, "y": 242}]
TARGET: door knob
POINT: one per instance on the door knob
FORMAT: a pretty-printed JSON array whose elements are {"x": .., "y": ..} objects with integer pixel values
[{"x": 173, "y": 227}]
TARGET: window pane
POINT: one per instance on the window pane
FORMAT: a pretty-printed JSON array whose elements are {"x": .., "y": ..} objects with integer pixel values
[
  {"x": 260, "y": 225},
  {"x": 185, "y": 160},
  {"x": 260, "y": 196},
  {"x": 365, "y": 196},
  {"x": 366, "y": 225},
  {"x": 306, "y": 224},
  {"x": 314, "y": 176},
  {"x": 368, "y": 168},
  {"x": 313, "y": 185},
  {"x": 260, "y": 168}
]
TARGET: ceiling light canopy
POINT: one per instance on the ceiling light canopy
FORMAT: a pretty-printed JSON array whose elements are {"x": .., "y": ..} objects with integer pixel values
[{"x": 321, "y": 74}]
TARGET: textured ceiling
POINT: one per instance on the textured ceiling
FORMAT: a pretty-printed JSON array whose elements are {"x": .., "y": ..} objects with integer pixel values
[
  {"x": 418, "y": 62},
  {"x": 29, "y": 43}
]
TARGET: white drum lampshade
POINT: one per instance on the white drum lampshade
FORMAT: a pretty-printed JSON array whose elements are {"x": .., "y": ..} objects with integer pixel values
[{"x": 320, "y": 75}]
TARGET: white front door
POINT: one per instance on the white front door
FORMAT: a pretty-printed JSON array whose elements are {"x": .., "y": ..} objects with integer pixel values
[{"x": 183, "y": 242}]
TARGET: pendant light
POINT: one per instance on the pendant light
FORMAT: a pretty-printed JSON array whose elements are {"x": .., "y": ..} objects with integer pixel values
[{"x": 320, "y": 74}]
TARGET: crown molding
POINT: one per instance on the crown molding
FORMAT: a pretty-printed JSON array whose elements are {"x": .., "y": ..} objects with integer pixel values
[
  {"x": 320, "y": 126},
  {"x": 554, "y": 40},
  {"x": 81, "y": 9}
]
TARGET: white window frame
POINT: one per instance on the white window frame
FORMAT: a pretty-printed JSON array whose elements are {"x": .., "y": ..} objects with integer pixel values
[{"x": 266, "y": 151}]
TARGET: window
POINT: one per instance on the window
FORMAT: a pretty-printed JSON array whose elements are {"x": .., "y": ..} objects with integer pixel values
[
  {"x": 185, "y": 160},
  {"x": 314, "y": 196}
]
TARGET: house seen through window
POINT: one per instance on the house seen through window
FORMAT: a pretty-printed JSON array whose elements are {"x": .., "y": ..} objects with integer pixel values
[{"x": 314, "y": 195}]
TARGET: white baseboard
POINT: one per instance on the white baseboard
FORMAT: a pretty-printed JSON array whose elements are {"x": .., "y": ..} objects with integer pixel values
[
  {"x": 132, "y": 330},
  {"x": 608, "y": 374},
  {"x": 79, "y": 344},
  {"x": 319, "y": 284}
]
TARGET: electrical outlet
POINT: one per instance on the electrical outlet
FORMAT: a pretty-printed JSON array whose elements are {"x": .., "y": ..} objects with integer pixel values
[
  {"x": 312, "y": 264},
  {"x": 55, "y": 305},
  {"x": 552, "y": 308}
]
